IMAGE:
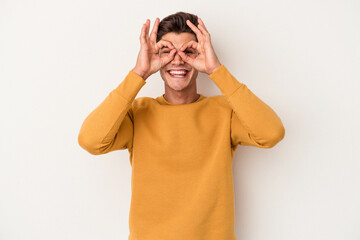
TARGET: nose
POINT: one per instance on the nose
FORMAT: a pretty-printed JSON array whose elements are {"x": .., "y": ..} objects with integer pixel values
[{"x": 177, "y": 58}]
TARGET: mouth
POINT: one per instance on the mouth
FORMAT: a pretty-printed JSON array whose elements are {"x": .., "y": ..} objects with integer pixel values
[{"x": 180, "y": 74}]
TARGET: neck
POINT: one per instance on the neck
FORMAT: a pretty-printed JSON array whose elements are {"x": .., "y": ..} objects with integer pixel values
[{"x": 181, "y": 97}]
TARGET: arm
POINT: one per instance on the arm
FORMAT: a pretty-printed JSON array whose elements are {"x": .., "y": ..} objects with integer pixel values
[
  {"x": 109, "y": 126},
  {"x": 253, "y": 122}
]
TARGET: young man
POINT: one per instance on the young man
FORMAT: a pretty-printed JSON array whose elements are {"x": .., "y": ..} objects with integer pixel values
[{"x": 181, "y": 143}]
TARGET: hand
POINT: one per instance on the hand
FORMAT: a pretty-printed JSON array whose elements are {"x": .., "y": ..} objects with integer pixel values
[
  {"x": 148, "y": 60},
  {"x": 206, "y": 60}
]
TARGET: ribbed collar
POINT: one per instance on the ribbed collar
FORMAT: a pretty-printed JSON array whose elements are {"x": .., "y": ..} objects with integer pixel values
[{"x": 163, "y": 101}]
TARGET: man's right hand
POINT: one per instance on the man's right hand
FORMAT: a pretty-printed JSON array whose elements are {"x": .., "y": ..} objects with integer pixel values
[{"x": 148, "y": 60}]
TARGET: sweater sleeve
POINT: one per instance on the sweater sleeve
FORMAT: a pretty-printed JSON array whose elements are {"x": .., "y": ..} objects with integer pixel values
[
  {"x": 109, "y": 126},
  {"x": 253, "y": 122}
]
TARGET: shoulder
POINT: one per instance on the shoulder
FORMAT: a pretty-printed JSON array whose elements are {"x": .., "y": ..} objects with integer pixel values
[
  {"x": 219, "y": 101},
  {"x": 142, "y": 102}
]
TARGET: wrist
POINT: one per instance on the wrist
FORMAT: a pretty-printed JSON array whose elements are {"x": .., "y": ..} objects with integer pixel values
[
  {"x": 214, "y": 68},
  {"x": 139, "y": 73}
]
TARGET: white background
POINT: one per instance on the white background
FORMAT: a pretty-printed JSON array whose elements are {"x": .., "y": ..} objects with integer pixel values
[{"x": 60, "y": 59}]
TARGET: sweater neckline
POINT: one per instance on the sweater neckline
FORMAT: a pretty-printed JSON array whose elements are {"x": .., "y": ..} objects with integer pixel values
[{"x": 163, "y": 101}]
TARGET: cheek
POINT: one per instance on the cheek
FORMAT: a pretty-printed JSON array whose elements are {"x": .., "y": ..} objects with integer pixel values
[
  {"x": 164, "y": 75},
  {"x": 194, "y": 74}
]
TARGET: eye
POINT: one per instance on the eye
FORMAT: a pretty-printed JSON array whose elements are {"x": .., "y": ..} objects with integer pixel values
[{"x": 165, "y": 51}]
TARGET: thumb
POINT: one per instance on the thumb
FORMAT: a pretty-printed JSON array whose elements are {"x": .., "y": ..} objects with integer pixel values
[{"x": 169, "y": 57}]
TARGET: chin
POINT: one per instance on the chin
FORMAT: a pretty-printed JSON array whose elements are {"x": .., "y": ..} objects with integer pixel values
[{"x": 176, "y": 86}]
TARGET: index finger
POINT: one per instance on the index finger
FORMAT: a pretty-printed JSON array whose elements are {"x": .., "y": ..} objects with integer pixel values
[
  {"x": 190, "y": 44},
  {"x": 163, "y": 43}
]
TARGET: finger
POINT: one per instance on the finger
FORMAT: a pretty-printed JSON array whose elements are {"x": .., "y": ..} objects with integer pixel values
[
  {"x": 169, "y": 57},
  {"x": 186, "y": 58},
  {"x": 154, "y": 31},
  {"x": 142, "y": 35},
  {"x": 147, "y": 29},
  {"x": 190, "y": 44},
  {"x": 203, "y": 30},
  {"x": 163, "y": 43},
  {"x": 202, "y": 24},
  {"x": 198, "y": 33}
]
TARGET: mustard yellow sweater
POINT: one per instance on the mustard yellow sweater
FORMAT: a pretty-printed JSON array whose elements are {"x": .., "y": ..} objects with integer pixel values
[{"x": 181, "y": 154}]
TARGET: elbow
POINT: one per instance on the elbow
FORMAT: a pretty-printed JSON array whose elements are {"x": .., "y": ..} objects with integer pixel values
[
  {"x": 88, "y": 145},
  {"x": 275, "y": 137}
]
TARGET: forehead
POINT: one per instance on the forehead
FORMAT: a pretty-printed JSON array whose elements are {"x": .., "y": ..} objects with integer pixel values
[{"x": 178, "y": 39}]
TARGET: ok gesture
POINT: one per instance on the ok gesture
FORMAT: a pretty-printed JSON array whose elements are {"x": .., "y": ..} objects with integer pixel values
[
  {"x": 148, "y": 60},
  {"x": 206, "y": 61}
]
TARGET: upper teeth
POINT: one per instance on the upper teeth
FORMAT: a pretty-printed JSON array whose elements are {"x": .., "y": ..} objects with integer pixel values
[{"x": 178, "y": 72}]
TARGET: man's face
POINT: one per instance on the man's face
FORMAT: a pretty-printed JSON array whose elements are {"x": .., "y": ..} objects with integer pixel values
[{"x": 178, "y": 82}]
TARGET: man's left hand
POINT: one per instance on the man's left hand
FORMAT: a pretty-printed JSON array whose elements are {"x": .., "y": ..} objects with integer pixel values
[{"x": 206, "y": 61}]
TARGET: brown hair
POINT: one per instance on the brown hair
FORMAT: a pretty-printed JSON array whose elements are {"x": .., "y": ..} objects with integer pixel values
[{"x": 176, "y": 23}]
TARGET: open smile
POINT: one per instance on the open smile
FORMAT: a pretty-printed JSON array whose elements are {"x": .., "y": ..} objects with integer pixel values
[{"x": 178, "y": 74}]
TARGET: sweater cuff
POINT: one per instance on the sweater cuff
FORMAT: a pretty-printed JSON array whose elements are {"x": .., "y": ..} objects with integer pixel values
[
  {"x": 225, "y": 81},
  {"x": 130, "y": 86}
]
